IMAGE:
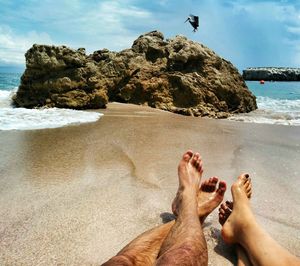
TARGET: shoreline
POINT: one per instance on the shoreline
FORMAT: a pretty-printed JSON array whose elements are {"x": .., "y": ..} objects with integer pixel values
[{"x": 78, "y": 194}]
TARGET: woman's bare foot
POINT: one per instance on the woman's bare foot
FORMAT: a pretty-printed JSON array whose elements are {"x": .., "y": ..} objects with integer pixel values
[
  {"x": 235, "y": 220},
  {"x": 226, "y": 208},
  {"x": 225, "y": 211},
  {"x": 240, "y": 227}
]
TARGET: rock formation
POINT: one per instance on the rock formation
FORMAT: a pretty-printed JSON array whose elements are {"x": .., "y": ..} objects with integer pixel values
[
  {"x": 176, "y": 75},
  {"x": 272, "y": 73}
]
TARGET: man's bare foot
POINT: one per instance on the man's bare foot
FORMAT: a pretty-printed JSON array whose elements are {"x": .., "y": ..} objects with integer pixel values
[
  {"x": 190, "y": 170},
  {"x": 209, "y": 197},
  {"x": 236, "y": 219},
  {"x": 185, "y": 243},
  {"x": 224, "y": 211}
]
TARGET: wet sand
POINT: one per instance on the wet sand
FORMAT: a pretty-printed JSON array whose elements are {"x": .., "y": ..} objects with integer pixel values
[{"x": 77, "y": 195}]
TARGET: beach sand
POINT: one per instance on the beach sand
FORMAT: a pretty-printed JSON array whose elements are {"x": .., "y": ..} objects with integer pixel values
[{"x": 76, "y": 195}]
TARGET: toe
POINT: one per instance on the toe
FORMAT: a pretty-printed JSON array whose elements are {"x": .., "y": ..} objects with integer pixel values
[
  {"x": 249, "y": 187},
  {"x": 229, "y": 204},
  {"x": 247, "y": 183},
  {"x": 222, "y": 219},
  {"x": 243, "y": 177},
  {"x": 222, "y": 188},
  {"x": 194, "y": 160},
  {"x": 201, "y": 166},
  {"x": 221, "y": 211},
  {"x": 213, "y": 181},
  {"x": 206, "y": 186},
  {"x": 187, "y": 155},
  {"x": 222, "y": 207},
  {"x": 227, "y": 210},
  {"x": 249, "y": 193}
]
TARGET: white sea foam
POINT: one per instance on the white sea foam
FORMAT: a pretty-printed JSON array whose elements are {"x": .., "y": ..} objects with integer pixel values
[
  {"x": 278, "y": 105},
  {"x": 26, "y": 119},
  {"x": 5, "y": 98},
  {"x": 273, "y": 111}
]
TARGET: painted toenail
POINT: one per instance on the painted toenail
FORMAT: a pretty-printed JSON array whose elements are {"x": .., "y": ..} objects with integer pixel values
[{"x": 246, "y": 175}]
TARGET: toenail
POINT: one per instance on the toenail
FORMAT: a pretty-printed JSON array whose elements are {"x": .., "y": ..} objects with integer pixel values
[{"x": 246, "y": 175}]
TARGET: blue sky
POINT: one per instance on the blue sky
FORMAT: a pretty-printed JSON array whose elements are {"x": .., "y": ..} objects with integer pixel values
[{"x": 248, "y": 33}]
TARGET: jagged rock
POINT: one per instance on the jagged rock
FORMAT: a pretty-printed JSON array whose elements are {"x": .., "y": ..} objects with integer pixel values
[
  {"x": 272, "y": 73},
  {"x": 176, "y": 75}
]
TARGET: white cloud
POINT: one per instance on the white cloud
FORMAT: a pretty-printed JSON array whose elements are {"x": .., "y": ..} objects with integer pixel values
[
  {"x": 243, "y": 32},
  {"x": 103, "y": 24},
  {"x": 106, "y": 24},
  {"x": 13, "y": 46},
  {"x": 262, "y": 32},
  {"x": 294, "y": 30},
  {"x": 110, "y": 24}
]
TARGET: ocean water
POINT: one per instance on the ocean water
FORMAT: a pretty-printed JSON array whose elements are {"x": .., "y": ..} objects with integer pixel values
[
  {"x": 278, "y": 103},
  {"x": 27, "y": 119}
]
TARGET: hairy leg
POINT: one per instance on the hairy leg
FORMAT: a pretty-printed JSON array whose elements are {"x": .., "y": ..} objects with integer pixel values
[
  {"x": 241, "y": 227},
  {"x": 209, "y": 196},
  {"x": 144, "y": 249},
  {"x": 185, "y": 243}
]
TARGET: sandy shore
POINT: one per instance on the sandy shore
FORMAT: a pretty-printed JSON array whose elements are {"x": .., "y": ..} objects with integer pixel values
[{"x": 77, "y": 195}]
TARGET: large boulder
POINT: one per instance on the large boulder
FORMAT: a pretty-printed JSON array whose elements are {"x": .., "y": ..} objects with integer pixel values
[{"x": 176, "y": 75}]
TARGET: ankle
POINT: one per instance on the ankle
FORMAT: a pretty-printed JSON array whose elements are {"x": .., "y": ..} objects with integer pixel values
[{"x": 248, "y": 227}]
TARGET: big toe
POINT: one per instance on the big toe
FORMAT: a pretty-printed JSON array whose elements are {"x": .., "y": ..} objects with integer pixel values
[
  {"x": 242, "y": 178},
  {"x": 221, "y": 188},
  {"x": 210, "y": 185},
  {"x": 187, "y": 155},
  {"x": 240, "y": 185}
]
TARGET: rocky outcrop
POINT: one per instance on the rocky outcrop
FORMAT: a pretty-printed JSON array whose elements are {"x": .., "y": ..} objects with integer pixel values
[
  {"x": 272, "y": 73},
  {"x": 176, "y": 75}
]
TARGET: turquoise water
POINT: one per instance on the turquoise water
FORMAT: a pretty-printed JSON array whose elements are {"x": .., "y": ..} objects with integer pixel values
[
  {"x": 276, "y": 90},
  {"x": 277, "y": 102},
  {"x": 9, "y": 81}
]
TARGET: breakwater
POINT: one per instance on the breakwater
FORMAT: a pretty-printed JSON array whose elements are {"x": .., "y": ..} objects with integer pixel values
[{"x": 272, "y": 73}]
